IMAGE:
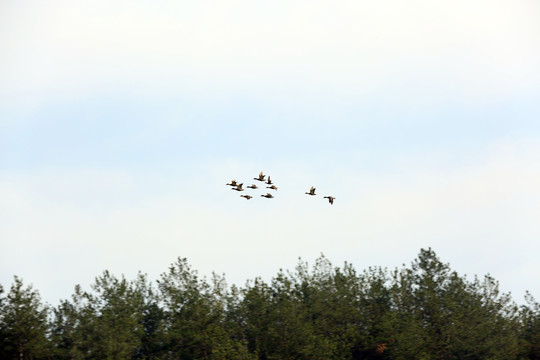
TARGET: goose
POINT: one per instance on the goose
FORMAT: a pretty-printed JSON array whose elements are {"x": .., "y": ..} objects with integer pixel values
[
  {"x": 273, "y": 187},
  {"x": 330, "y": 199},
  {"x": 261, "y": 177},
  {"x": 269, "y": 182},
  {"x": 238, "y": 187},
  {"x": 246, "y": 196},
  {"x": 269, "y": 196},
  {"x": 233, "y": 183},
  {"x": 311, "y": 191},
  {"x": 253, "y": 186}
]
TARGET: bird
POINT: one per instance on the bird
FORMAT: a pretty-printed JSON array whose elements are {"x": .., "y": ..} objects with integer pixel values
[
  {"x": 246, "y": 196},
  {"x": 269, "y": 182},
  {"x": 261, "y": 177},
  {"x": 233, "y": 183},
  {"x": 269, "y": 196},
  {"x": 311, "y": 191},
  {"x": 330, "y": 199},
  {"x": 273, "y": 187},
  {"x": 238, "y": 187},
  {"x": 253, "y": 186}
]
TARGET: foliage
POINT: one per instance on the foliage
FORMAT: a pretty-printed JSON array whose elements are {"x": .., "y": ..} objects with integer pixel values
[
  {"x": 423, "y": 311},
  {"x": 530, "y": 328},
  {"x": 23, "y": 324}
]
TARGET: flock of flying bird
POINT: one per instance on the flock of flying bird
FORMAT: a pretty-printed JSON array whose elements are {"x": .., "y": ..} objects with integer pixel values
[{"x": 238, "y": 187}]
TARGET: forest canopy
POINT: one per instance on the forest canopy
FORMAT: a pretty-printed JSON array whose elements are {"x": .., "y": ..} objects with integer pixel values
[{"x": 422, "y": 311}]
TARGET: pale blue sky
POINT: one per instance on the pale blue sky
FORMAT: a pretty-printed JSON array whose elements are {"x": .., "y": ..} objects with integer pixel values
[{"x": 120, "y": 123}]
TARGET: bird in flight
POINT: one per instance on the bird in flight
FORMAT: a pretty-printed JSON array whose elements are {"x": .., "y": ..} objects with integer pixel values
[
  {"x": 261, "y": 177},
  {"x": 238, "y": 187}
]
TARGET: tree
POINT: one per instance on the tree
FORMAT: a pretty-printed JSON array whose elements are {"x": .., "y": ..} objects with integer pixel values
[
  {"x": 23, "y": 324},
  {"x": 335, "y": 303},
  {"x": 530, "y": 328},
  {"x": 423, "y": 311},
  {"x": 106, "y": 323},
  {"x": 195, "y": 316},
  {"x": 65, "y": 334},
  {"x": 439, "y": 315}
]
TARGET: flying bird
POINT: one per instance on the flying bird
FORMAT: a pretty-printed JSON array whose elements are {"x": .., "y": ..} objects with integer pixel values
[
  {"x": 246, "y": 196},
  {"x": 311, "y": 191},
  {"x": 233, "y": 183},
  {"x": 330, "y": 199},
  {"x": 238, "y": 187},
  {"x": 261, "y": 177},
  {"x": 269, "y": 182},
  {"x": 269, "y": 196},
  {"x": 273, "y": 187},
  {"x": 253, "y": 186}
]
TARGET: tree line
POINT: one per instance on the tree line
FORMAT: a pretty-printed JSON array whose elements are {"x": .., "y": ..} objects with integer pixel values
[{"x": 422, "y": 311}]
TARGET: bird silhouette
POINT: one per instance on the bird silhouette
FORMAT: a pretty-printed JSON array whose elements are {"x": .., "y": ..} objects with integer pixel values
[
  {"x": 246, "y": 196},
  {"x": 269, "y": 196},
  {"x": 261, "y": 177},
  {"x": 330, "y": 199},
  {"x": 238, "y": 187},
  {"x": 273, "y": 187},
  {"x": 311, "y": 191}
]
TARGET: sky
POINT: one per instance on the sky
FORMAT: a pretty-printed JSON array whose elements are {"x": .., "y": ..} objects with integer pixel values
[{"x": 122, "y": 121}]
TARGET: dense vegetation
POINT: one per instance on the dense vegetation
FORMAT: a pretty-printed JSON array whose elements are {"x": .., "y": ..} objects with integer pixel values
[{"x": 425, "y": 311}]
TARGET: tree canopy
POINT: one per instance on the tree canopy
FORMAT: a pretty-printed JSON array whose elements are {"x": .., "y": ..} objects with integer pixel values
[{"x": 422, "y": 311}]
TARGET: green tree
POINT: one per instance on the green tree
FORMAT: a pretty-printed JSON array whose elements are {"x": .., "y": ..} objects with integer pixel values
[
  {"x": 530, "y": 328},
  {"x": 334, "y": 301},
  {"x": 65, "y": 334},
  {"x": 106, "y": 323},
  {"x": 195, "y": 316},
  {"x": 424, "y": 311},
  {"x": 153, "y": 339},
  {"x": 23, "y": 324},
  {"x": 439, "y": 315}
]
